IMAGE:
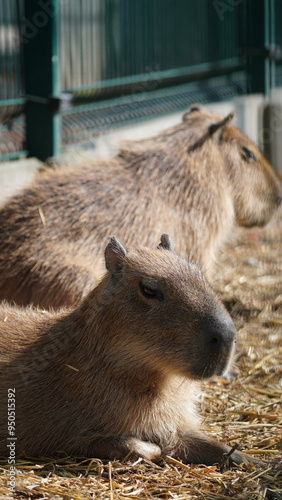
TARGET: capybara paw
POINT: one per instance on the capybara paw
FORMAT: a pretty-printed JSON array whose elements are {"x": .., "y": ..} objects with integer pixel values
[{"x": 144, "y": 449}]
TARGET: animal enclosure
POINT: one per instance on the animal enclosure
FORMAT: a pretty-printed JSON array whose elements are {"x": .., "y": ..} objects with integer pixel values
[{"x": 73, "y": 69}]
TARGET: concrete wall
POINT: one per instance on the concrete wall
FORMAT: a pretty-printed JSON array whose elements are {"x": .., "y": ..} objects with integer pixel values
[
  {"x": 16, "y": 174},
  {"x": 271, "y": 131}
]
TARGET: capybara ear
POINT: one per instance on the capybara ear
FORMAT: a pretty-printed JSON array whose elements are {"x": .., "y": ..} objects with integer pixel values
[
  {"x": 166, "y": 243},
  {"x": 114, "y": 256},
  {"x": 192, "y": 109},
  {"x": 222, "y": 123}
]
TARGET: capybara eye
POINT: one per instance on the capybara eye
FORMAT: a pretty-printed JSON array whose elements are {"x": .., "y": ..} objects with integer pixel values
[
  {"x": 249, "y": 154},
  {"x": 151, "y": 293}
]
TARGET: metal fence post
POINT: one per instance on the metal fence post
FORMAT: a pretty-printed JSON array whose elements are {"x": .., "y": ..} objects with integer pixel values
[
  {"x": 41, "y": 63},
  {"x": 261, "y": 49}
]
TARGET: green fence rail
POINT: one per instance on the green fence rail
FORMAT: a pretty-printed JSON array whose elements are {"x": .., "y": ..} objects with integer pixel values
[{"x": 71, "y": 69}]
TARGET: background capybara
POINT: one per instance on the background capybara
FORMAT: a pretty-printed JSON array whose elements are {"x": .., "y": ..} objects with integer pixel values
[
  {"x": 194, "y": 181},
  {"x": 119, "y": 373}
]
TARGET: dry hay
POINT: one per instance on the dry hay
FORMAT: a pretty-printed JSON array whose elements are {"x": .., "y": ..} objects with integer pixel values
[{"x": 244, "y": 411}]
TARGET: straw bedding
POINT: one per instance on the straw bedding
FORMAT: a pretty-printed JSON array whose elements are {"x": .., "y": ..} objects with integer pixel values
[{"x": 244, "y": 411}]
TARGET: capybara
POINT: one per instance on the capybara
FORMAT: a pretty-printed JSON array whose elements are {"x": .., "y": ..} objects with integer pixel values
[
  {"x": 194, "y": 181},
  {"x": 117, "y": 374}
]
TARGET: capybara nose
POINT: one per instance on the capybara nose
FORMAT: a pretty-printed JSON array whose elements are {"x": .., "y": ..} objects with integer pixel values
[
  {"x": 224, "y": 336},
  {"x": 221, "y": 330}
]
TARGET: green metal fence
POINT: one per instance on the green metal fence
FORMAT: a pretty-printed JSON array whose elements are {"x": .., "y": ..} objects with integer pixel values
[
  {"x": 12, "y": 100},
  {"x": 277, "y": 40},
  {"x": 71, "y": 69}
]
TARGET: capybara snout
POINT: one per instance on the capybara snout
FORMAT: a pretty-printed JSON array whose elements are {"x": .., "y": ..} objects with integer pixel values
[
  {"x": 210, "y": 347},
  {"x": 218, "y": 338}
]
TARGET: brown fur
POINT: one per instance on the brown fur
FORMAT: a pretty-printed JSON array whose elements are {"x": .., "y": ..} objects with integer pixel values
[
  {"x": 194, "y": 181},
  {"x": 119, "y": 373}
]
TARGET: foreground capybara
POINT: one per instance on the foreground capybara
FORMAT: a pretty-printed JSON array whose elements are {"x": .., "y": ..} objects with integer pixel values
[
  {"x": 118, "y": 374},
  {"x": 194, "y": 181}
]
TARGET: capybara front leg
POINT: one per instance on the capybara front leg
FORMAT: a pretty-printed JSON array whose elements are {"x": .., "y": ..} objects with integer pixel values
[{"x": 119, "y": 448}]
